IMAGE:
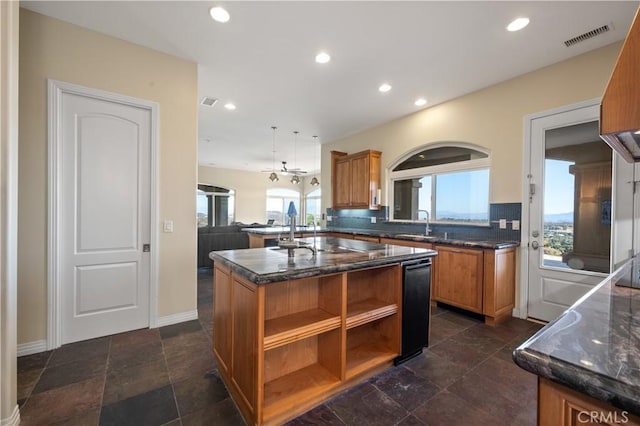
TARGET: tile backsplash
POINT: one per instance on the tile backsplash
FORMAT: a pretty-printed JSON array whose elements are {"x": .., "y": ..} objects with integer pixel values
[{"x": 361, "y": 220}]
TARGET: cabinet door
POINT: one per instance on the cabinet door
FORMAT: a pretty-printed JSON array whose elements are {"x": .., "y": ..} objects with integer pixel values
[
  {"x": 342, "y": 184},
  {"x": 222, "y": 317},
  {"x": 360, "y": 187},
  {"x": 458, "y": 277}
]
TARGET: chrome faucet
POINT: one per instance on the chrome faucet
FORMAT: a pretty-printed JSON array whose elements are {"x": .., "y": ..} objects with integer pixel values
[{"x": 427, "y": 230}]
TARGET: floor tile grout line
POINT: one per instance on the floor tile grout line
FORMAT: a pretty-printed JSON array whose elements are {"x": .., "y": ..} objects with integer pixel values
[{"x": 104, "y": 385}]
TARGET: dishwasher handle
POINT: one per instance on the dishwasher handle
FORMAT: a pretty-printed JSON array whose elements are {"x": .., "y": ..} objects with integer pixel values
[{"x": 415, "y": 264}]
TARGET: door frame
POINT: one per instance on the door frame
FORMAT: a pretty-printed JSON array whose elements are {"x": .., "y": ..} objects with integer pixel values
[
  {"x": 522, "y": 312},
  {"x": 54, "y": 209}
]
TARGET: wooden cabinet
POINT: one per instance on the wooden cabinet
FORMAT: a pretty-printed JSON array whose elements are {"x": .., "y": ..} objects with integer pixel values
[
  {"x": 478, "y": 280},
  {"x": 458, "y": 279},
  {"x": 561, "y": 406},
  {"x": 355, "y": 180},
  {"x": 367, "y": 238},
  {"x": 296, "y": 343}
]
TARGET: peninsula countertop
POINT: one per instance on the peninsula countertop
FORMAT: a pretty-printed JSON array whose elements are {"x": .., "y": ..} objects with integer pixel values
[
  {"x": 271, "y": 264},
  {"x": 594, "y": 346}
]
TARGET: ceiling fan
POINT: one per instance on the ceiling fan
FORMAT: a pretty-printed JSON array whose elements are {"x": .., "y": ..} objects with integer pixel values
[{"x": 286, "y": 171}]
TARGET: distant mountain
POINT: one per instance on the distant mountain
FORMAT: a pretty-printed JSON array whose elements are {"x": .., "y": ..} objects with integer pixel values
[
  {"x": 559, "y": 218},
  {"x": 453, "y": 215}
]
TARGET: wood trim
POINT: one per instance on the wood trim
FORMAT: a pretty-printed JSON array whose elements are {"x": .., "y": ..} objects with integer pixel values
[
  {"x": 560, "y": 405},
  {"x": 499, "y": 284}
]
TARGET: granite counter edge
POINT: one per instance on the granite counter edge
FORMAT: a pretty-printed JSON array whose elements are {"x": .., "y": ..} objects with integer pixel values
[{"x": 261, "y": 279}]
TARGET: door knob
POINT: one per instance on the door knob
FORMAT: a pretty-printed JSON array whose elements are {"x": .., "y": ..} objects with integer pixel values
[{"x": 535, "y": 245}]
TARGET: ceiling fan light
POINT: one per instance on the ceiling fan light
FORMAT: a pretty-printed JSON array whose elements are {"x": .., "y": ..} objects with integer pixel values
[
  {"x": 314, "y": 181},
  {"x": 295, "y": 180},
  {"x": 273, "y": 177}
]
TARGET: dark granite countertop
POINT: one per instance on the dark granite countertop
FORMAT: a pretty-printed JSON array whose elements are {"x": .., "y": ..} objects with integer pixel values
[
  {"x": 594, "y": 346},
  {"x": 496, "y": 245},
  {"x": 277, "y": 230},
  {"x": 266, "y": 265}
]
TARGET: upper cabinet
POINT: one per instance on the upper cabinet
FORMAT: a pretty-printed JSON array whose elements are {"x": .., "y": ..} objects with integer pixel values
[
  {"x": 620, "y": 109},
  {"x": 355, "y": 180}
]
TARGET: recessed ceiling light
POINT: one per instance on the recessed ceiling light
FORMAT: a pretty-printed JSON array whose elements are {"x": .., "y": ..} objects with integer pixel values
[
  {"x": 518, "y": 24},
  {"x": 420, "y": 102},
  {"x": 384, "y": 87},
  {"x": 637, "y": 133},
  {"x": 230, "y": 106},
  {"x": 219, "y": 14},
  {"x": 323, "y": 58}
]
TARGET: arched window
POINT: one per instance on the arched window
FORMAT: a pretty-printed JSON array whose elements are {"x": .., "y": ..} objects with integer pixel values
[
  {"x": 312, "y": 207},
  {"x": 447, "y": 182},
  {"x": 278, "y": 200}
]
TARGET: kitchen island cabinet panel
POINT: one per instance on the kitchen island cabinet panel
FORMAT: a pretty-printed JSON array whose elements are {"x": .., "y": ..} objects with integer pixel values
[
  {"x": 244, "y": 303},
  {"x": 222, "y": 318}
]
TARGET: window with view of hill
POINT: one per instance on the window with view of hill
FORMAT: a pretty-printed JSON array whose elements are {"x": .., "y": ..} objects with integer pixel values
[{"x": 442, "y": 183}]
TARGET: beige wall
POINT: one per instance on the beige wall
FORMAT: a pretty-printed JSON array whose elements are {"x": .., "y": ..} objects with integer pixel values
[
  {"x": 53, "y": 49},
  {"x": 492, "y": 118},
  {"x": 251, "y": 189}
]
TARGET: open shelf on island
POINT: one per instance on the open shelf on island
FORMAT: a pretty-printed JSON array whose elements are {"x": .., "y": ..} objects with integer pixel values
[
  {"x": 371, "y": 345},
  {"x": 371, "y": 309},
  {"x": 300, "y": 325},
  {"x": 285, "y": 392}
]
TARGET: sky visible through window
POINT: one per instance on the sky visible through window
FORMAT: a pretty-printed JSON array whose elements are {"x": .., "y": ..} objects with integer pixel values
[{"x": 558, "y": 191}]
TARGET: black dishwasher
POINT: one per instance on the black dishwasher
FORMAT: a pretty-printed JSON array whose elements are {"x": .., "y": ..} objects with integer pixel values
[{"x": 416, "y": 293}]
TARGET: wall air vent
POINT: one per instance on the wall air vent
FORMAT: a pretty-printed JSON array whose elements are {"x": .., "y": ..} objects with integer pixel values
[
  {"x": 586, "y": 36},
  {"x": 207, "y": 101}
]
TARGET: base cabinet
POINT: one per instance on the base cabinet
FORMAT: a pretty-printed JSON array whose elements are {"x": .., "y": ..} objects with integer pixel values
[
  {"x": 296, "y": 343},
  {"x": 477, "y": 280},
  {"x": 561, "y": 406}
]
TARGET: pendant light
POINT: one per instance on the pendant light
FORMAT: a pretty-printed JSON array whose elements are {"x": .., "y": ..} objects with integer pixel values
[
  {"x": 295, "y": 179},
  {"x": 273, "y": 177},
  {"x": 314, "y": 181}
]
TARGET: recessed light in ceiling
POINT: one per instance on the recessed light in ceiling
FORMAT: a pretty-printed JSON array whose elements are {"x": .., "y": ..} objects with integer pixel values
[
  {"x": 384, "y": 87},
  {"x": 420, "y": 102},
  {"x": 230, "y": 106},
  {"x": 637, "y": 133},
  {"x": 323, "y": 58},
  {"x": 219, "y": 14},
  {"x": 518, "y": 24}
]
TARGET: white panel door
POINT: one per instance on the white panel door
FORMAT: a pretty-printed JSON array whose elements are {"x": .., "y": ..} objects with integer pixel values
[
  {"x": 105, "y": 210},
  {"x": 572, "y": 203}
]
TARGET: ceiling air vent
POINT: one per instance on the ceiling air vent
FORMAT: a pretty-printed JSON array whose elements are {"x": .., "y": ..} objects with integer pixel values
[
  {"x": 207, "y": 101},
  {"x": 587, "y": 35}
]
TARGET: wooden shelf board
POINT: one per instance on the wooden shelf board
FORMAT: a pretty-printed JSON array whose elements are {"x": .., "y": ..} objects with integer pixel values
[
  {"x": 367, "y": 356},
  {"x": 368, "y": 310},
  {"x": 285, "y": 392},
  {"x": 290, "y": 328}
]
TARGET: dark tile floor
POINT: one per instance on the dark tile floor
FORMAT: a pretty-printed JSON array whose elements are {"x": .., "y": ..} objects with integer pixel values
[{"x": 168, "y": 376}]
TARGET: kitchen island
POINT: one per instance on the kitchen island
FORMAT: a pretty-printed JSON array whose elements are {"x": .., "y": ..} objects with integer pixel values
[
  {"x": 289, "y": 334},
  {"x": 588, "y": 359}
]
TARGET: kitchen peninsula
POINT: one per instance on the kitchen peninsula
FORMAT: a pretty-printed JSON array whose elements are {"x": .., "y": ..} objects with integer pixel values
[
  {"x": 588, "y": 359},
  {"x": 289, "y": 334}
]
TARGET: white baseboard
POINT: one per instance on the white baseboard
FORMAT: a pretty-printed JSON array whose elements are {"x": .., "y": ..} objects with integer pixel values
[
  {"x": 30, "y": 348},
  {"x": 517, "y": 314},
  {"x": 177, "y": 318},
  {"x": 13, "y": 419}
]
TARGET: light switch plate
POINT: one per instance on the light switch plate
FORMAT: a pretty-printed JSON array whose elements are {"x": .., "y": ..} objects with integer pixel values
[
  {"x": 503, "y": 223},
  {"x": 373, "y": 220},
  {"x": 515, "y": 225},
  {"x": 329, "y": 218},
  {"x": 168, "y": 226}
]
